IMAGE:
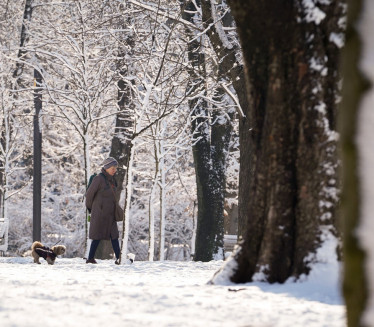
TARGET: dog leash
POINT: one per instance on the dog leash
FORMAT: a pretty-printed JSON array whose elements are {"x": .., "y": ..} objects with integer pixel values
[{"x": 56, "y": 243}]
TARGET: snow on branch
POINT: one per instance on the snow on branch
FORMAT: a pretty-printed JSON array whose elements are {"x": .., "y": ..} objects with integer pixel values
[{"x": 164, "y": 13}]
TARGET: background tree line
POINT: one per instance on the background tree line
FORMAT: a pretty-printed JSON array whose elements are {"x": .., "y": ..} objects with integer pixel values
[{"x": 116, "y": 76}]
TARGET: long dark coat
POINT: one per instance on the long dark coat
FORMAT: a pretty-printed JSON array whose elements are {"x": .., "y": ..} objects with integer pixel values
[{"x": 100, "y": 200}]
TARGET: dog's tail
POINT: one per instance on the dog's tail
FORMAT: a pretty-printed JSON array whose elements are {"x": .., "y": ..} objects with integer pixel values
[{"x": 36, "y": 245}]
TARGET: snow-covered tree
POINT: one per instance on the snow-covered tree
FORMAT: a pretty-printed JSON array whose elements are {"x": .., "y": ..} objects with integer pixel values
[
  {"x": 14, "y": 102},
  {"x": 115, "y": 74},
  {"x": 221, "y": 32},
  {"x": 212, "y": 115},
  {"x": 79, "y": 76},
  {"x": 14, "y": 137}
]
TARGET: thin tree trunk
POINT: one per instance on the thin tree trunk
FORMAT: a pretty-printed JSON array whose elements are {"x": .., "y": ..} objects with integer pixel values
[
  {"x": 162, "y": 195},
  {"x": 204, "y": 245},
  {"x": 220, "y": 141},
  {"x": 229, "y": 70},
  {"x": 17, "y": 73},
  {"x": 126, "y": 219},
  {"x": 22, "y": 52},
  {"x": 209, "y": 152},
  {"x": 121, "y": 142},
  {"x": 5, "y": 147},
  {"x": 87, "y": 174},
  {"x": 355, "y": 282},
  {"x": 151, "y": 233}
]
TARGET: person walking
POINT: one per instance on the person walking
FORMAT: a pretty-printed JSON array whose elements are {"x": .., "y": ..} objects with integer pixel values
[{"x": 101, "y": 203}]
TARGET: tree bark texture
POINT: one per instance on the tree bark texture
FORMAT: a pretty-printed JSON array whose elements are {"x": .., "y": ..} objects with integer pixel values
[
  {"x": 22, "y": 52},
  {"x": 288, "y": 173},
  {"x": 211, "y": 136},
  {"x": 230, "y": 69},
  {"x": 124, "y": 130},
  {"x": 354, "y": 86}
]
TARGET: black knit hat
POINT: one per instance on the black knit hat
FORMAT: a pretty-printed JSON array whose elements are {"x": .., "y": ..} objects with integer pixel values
[{"x": 109, "y": 162}]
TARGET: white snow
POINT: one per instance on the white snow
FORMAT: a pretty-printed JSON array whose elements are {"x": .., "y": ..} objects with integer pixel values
[
  {"x": 219, "y": 27},
  {"x": 312, "y": 13},
  {"x": 365, "y": 142},
  {"x": 338, "y": 39},
  {"x": 168, "y": 293},
  {"x": 318, "y": 66}
]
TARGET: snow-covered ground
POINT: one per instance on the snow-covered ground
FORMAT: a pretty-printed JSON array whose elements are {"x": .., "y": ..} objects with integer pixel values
[{"x": 72, "y": 293}]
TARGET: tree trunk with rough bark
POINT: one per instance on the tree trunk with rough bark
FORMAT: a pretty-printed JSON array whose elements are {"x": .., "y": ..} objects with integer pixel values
[
  {"x": 22, "y": 52},
  {"x": 230, "y": 71},
  {"x": 209, "y": 151},
  {"x": 121, "y": 142},
  {"x": 288, "y": 136}
]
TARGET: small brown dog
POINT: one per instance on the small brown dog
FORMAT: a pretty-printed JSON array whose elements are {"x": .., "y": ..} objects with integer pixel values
[{"x": 39, "y": 250}]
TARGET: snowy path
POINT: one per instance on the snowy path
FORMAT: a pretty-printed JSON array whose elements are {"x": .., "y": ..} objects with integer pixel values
[{"x": 71, "y": 293}]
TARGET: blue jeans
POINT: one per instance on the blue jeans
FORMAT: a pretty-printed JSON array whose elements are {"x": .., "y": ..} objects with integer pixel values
[{"x": 95, "y": 244}]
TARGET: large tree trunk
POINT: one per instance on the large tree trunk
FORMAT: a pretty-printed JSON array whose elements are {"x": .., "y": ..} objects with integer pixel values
[
  {"x": 355, "y": 280},
  {"x": 291, "y": 171}
]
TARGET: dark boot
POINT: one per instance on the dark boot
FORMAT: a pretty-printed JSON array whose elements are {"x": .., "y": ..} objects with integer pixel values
[{"x": 91, "y": 261}]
